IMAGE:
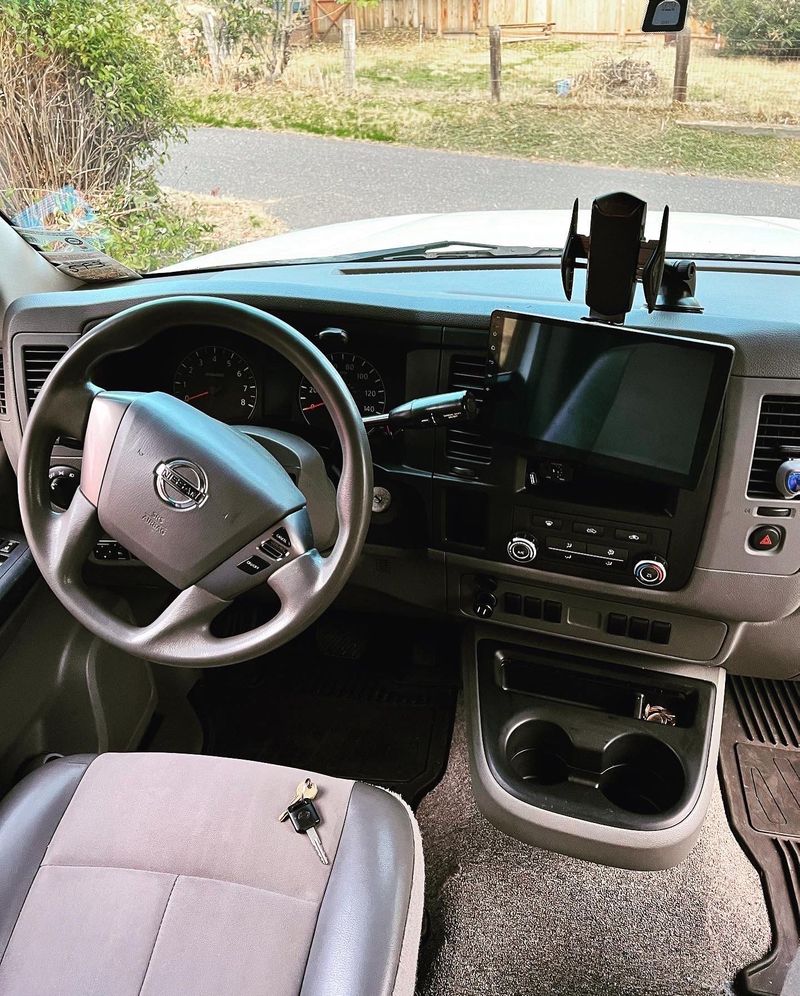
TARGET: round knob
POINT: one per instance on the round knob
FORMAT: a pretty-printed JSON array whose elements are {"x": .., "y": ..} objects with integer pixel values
[
  {"x": 484, "y": 604},
  {"x": 522, "y": 548},
  {"x": 651, "y": 572},
  {"x": 63, "y": 485},
  {"x": 788, "y": 478}
]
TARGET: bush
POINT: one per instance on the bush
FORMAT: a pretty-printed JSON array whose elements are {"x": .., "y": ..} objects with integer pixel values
[
  {"x": 755, "y": 27},
  {"x": 84, "y": 96}
]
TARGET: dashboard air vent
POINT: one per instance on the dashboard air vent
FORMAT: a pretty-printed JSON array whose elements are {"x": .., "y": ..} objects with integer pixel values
[
  {"x": 466, "y": 446},
  {"x": 38, "y": 362},
  {"x": 777, "y": 439},
  {"x": 3, "y": 408}
]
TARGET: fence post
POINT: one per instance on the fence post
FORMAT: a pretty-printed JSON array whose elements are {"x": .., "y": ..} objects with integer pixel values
[
  {"x": 495, "y": 60},
  {"x": 349, "y": 53},
  {"x": 683, "y": 48}
]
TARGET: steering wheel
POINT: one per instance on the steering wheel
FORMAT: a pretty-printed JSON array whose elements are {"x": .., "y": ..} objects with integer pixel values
[{"x": 197, "y": 501}]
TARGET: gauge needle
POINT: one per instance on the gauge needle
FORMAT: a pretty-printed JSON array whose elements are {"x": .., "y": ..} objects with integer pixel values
[
  {"x": 200, "y": 394},
  {"x": 311, "y": 408}
]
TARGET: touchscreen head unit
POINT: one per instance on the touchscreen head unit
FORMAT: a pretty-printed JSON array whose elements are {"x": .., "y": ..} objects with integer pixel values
[{"x": 611, "y": 398}]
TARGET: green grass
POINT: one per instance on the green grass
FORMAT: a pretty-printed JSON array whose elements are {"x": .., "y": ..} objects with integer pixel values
[{"x": 638, "y": 137}]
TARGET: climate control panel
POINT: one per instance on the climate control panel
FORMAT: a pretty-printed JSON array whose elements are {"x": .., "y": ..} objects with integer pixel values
[{"x": 626, "y": 553}]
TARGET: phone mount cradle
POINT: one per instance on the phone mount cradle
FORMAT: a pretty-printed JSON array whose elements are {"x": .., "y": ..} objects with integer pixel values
[{"x": 616, "y": 256}]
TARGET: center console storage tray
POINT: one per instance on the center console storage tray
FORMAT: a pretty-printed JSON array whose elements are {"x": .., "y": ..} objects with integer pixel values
[{"x": 565, "y": 734}]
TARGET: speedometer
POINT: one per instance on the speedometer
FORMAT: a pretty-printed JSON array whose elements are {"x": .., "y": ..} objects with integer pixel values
[
  {"x": 362, "y": 380},
  {"x": 218, "y": 381}
]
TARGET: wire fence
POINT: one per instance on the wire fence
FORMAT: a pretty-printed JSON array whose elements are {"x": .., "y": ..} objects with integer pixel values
[{"x": 695, "y": 74}]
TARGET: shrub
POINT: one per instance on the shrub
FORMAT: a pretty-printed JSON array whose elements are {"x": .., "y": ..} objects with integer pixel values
[
  {"x": 755, "y": 27},
  {"x": 84, "y": 96}
]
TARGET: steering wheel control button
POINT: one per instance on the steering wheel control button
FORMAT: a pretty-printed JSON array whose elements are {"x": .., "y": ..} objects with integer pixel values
[
  {"x": 253, "y": 565},
  {"x": 182, "y": 484},
  {"x": 650, "y": 572},
  {"x": 522, "y": 548},
  {"x": 766, "y": 539}
]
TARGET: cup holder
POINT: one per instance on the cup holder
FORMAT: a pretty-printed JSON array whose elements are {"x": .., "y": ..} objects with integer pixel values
[
  {"x": 641, "y": 774},
  {"x": 539, "y": 752}
]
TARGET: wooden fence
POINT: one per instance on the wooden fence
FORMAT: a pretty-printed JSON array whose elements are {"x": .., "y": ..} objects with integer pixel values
[{"x": 577, "y": 18}]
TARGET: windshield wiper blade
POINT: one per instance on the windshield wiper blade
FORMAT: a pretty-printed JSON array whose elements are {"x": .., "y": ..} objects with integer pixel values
[{"x": 450, "y": 249}]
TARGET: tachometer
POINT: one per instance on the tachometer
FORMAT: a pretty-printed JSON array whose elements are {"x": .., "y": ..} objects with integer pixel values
[
  {"x": 363, "y": 381},
  {"x": 218, "y": 381}
]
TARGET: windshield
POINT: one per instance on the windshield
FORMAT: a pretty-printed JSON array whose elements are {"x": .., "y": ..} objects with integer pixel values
[{"x": 142, "y": 134}]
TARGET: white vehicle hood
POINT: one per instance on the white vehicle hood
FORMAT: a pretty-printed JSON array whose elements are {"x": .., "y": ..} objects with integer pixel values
[{"x": 690, "y": 234}]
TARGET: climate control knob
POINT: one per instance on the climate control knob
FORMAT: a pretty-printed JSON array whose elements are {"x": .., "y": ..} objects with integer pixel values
[
  {"x": 522, "y": 548},
  {"x": 651, "y": 572}
]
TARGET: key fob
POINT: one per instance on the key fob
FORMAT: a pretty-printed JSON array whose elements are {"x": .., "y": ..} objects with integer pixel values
[{"x": 304, "y": 816}]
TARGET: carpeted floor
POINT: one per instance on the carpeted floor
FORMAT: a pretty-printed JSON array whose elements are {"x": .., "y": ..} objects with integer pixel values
[{"x": 511, "y": 920}]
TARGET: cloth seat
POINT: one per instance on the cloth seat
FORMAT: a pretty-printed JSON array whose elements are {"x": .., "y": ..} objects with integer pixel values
[{"x": 170, "y": 874}]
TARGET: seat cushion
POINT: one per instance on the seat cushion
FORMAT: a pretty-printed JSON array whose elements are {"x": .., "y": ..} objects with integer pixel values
[{"x": 170, "y": 873}]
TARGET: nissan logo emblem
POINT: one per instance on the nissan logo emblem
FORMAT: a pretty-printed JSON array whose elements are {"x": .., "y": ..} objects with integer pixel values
[{"x": 181, "y": 484}]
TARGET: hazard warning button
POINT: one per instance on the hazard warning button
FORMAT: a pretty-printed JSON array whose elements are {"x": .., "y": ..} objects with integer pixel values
[{"x": 765, "y": 539}]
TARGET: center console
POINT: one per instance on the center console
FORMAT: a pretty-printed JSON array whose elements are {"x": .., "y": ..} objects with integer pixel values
[{"x": 582, "y": 755}]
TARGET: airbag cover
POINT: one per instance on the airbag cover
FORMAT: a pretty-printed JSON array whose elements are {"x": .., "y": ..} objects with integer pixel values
[{"x": 184, "y": 492}]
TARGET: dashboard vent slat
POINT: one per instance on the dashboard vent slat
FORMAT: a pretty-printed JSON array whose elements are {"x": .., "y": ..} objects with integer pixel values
[
  {"x": 466, "y": 446},
  {"x": 3, "y": 407},
  {"x": 777, "y": 435},
  {"x": 38, "y": 362}
]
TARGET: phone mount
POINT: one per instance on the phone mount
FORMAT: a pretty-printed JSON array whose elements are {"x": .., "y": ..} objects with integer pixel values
[{"x": 615, "y": 256}]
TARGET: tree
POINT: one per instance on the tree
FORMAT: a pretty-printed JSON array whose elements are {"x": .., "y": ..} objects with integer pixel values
[{"x": 755, "y": 27}]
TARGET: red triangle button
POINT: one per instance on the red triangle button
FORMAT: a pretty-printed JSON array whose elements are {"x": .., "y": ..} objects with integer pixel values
[{"x": 765, "y": 540}]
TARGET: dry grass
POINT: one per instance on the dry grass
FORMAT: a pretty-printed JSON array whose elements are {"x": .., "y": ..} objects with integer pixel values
[
  {"x": 720, "y": 86},
  {"x": 230, "y": 221}
]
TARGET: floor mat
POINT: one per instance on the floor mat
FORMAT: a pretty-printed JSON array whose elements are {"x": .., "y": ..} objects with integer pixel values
[
  {"x": 365, "y": 697},
  {"x": 760, "y": 767},
  {"x": 512, "y": 919}
]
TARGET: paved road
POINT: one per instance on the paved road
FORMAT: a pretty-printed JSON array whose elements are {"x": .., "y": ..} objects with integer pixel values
[{"x": 309, "y": 180}]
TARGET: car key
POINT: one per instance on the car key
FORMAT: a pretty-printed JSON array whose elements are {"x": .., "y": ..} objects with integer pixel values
[
  {"x": 305, "y": 790},
  {"x": 305, "y": 819}
]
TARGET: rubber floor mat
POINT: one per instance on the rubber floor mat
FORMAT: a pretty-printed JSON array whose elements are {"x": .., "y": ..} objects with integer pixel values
[
  {"x": 365, "y": 697},
  {"x": 760, "y": 769}
]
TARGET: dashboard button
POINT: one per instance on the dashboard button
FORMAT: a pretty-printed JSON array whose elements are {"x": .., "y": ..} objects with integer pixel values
[
  {"x": 610, "y": 552},
  {"x": 558, "y": 544},
  {"x": 547, "y": 521},
  {"x": 660, "y": 632},
  {"x": 768, "y": 512},
  {"x": 533, "y": 607},
  {"x": 552, "y": 612},
  {"x": 766, "y": 539},
  {"x": 631, "y": 535},
  {"x": 589, "y": 529},
  {"x": 638, "y": 628},
  {"x": 512, "y": 603},
  {"x": 617, "y": 624}
]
